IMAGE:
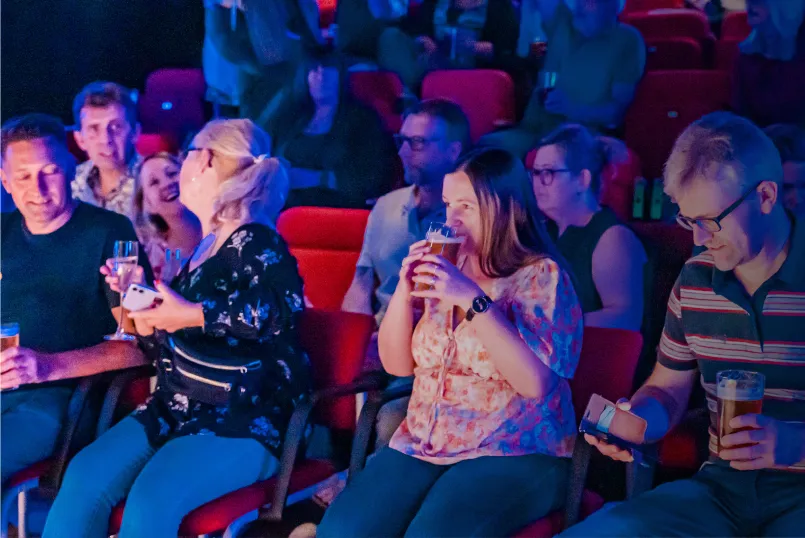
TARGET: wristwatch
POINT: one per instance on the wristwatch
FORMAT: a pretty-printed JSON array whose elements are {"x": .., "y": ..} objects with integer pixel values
[{"x": 479, "y": 305}]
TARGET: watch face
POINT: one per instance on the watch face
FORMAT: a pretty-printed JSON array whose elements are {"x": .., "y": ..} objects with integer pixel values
[{"x": 480, "y": 304}]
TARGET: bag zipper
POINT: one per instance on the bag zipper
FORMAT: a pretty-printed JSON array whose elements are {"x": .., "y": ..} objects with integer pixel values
[
  {"x": 226, "y": 386},
  {"x": 242, "y": 369}
]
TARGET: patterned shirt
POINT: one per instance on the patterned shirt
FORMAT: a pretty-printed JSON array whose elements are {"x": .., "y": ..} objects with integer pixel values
[
  {"x": 713, "y": 325},
  {"x": 87, "y": 187},
  {"x": 251, "y": 293},
  {"x": 463, "y": 408}
]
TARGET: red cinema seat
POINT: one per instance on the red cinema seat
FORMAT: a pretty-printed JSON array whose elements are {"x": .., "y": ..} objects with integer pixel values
[
  {"x": 726, "y": 54},
  {"x": 735, "y": 26},
  {"x": 667, "y": 102},
  {"x": 648, "y": 5},
  {"x": 486, "y": 96},
  {"x": 149, "y": 144},
  {"x": 173, "y": 102},
  {"x": 666, "y": 53},
  {"x": 381, "y": 91},
  {"x": 665, "y": 23},
  {"x": 326, "y": 243}
]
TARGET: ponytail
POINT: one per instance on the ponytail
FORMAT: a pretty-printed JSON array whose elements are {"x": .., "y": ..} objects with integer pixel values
[{"x": 256, "y": 192}]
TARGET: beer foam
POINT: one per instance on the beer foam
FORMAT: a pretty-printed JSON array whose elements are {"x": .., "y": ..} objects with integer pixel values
[{"x": 441, "y": 238}]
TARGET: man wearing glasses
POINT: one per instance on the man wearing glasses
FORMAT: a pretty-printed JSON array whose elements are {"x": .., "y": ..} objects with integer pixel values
[
  {"x": 433, "y": 136},
  {"x": 740, "y": 305}
]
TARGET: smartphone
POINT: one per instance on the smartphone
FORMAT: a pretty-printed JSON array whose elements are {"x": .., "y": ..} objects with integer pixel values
[
  {"x": 139, "y": 297},
  {"x": 605, "y": 421}
]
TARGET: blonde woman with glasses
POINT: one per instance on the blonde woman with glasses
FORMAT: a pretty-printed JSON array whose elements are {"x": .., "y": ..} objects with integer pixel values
[{"x": 229, "y": 367}]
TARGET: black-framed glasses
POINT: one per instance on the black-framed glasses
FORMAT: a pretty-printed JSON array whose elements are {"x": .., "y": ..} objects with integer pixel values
[
  {"x": 714, "y": 225},
  {"x": 546, "y": 175},
  {"x": 416, "y": 143}
]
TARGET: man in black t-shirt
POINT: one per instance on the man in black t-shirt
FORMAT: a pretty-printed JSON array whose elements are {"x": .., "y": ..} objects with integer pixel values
[{"x": 52, "y": 249}]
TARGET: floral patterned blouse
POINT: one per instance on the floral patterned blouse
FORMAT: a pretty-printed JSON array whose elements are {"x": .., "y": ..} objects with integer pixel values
[
  {"x": 251, "y": 294},
  {"x": 462, "y": 407}
]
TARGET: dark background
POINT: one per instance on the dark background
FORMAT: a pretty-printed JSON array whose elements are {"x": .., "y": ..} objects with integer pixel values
[{"x": 52, "y": 48}]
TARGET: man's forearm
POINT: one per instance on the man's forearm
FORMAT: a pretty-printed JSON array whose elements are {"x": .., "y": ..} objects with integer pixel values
[
  {"x": 103, "y": 357},
  {"x": 660, "y": 410}
]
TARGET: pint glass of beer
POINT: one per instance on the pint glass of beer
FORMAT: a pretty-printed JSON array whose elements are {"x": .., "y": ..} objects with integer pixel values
[
  {"x": 9, "y": 335},
  {"x": 442, "y": 241},
  {"x": 739, "y": 393}
]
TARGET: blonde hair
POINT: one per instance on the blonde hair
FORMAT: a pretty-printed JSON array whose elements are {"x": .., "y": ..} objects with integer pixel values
[
  {"x": 720, "y": 146},
  {"x": 785, "y": 18},
  {"x": 149, "y": 225},
  {"x": 258, "y": 185}
]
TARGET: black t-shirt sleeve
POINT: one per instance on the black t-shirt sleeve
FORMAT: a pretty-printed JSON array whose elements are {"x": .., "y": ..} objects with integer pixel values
[{"x": 120, "y": 229}]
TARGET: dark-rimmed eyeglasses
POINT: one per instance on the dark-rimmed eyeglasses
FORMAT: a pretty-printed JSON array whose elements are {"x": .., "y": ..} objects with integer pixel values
[
  {"x": 714, "y": 225},
  {"x": 416, "y": 143},
  {"x": 190, "y": 149},
  {"x": 546, "y": 175}
]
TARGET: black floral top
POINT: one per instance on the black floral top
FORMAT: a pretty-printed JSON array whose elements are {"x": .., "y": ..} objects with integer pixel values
[{"x": 252, "y": 298}]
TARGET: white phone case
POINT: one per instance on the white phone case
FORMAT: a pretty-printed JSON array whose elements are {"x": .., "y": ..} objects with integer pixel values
[{"x": 140, "y": 297}]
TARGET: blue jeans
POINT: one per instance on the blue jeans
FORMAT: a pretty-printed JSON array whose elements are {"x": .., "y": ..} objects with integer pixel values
[
  {"x": 398, "y": 495},
  {"x": 717, "y": 501},
  {"x": 31, "y": 422},
  {"x": 163, "y": 485}
]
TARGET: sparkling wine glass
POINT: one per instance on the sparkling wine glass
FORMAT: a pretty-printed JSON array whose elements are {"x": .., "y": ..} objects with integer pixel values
[{"x": 124, "y": 265}]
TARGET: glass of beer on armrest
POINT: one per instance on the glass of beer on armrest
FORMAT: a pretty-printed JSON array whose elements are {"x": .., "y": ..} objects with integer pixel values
[
  {"x": 739, "y": 393},
  {"x": 442, "y": 241}
]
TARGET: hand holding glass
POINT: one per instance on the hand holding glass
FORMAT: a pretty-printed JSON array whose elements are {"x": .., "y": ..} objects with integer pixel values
[
  {"x": 443, "y": 242},
  {"x": 124, "y": 264},
  {"x": 9, "y": 335},
  {"x": 739, "y": 393}
]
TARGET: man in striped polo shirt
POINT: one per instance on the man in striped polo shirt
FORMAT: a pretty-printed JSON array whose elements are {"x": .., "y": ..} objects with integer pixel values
[{"x": 739, "y": 305}]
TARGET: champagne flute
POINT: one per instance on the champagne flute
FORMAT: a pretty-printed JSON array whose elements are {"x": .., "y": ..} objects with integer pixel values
[{"x": 125, "y": 259}]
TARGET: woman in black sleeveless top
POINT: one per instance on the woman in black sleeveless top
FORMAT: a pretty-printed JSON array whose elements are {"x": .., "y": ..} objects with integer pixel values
[{"x": 606, "y": 257}]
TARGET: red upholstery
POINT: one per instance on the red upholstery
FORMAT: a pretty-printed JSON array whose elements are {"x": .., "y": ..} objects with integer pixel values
[
  {"x": 218, "y": 514},
  {"x": 173, "y": 102},
  {"x": 486, "y": 96},
  {"x": 672, "y": 23},
  {"x": 647, "y": 5},
  {"x": 381, "y": 91},
  {"x": 553, "y": 524},
  {"x": 617, "y": 183},
  {"x": 326, "y": 12},
  {"x": 606, "y": 367},
  {"x": 33, "y": 471},
  {"x": 665, "y": 104},
  {"x": 727, "y": 51},
  {"x": 673, "y": 53},
  {"x": 136, "y": 393},
  {"x": 336, "y": 344},
  {"x": 326, "y": 243},
  {"x": 735, "y": 26},
  {"x": 148, "y": 144},
  {"x": 679, "y": 448}
]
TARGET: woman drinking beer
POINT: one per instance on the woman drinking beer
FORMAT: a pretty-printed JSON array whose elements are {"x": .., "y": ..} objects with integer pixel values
[
  {"x": 485, "y": 446},
  {"x": 230, "y": 371}
]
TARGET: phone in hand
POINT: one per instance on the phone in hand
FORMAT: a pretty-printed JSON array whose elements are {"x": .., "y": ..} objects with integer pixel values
[
  {"x": 139, "y": 297},
  {"x": 615, "y": 426}
]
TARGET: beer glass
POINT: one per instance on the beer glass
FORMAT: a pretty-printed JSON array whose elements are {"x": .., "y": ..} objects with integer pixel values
[
  {"x": 9, "y": 335},
  {"x": 124, "y": 264},
  {"x": 739, "y": 393},
  {"x": 442, "y": 241}
]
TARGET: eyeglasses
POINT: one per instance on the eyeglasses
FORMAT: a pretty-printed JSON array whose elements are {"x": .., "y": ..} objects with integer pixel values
[
  {"x": 416, "y": 143},
  {"x": 714, "y": 225},
  {"x": 546, "y": 175}
]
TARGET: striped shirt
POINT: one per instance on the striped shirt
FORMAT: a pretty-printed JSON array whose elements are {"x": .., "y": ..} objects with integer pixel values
[{"x": 713, "y": 324}]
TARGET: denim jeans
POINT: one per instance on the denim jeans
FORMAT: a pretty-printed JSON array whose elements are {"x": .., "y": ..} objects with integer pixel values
[
  {"x": 163, "y": 485},
  {"x": 717, "y": 501},
  {"x": 399, "y": 495},
  {"x": 31, "y": 422}
]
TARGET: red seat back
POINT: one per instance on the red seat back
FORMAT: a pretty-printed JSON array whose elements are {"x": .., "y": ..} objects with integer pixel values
[
  {"x": 381, "y": 91},
  {"x": 617, "y": 183},
  {"x": 727, "y": 51},
  {"x": 173, "y": 102},
  {"x": 326, "y": 243},
  {"x": 735, "y": 26},
  {"x": 606, "y": 367},
  {"x": 664, "y": 53},
  {"x": 647, "y": 5},
  {"x": 149, "y": 144},
  {"x": 336, "y": 344},
  {"x": 486, "y": 96},
  {"x": 667, "y": 102},
  {"x": 663, "y": 23},
  {"x": 326, "y": 12}
]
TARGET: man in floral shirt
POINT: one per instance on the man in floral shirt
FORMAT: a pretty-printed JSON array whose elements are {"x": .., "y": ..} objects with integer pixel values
[{"x": 106, "y": 123}]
